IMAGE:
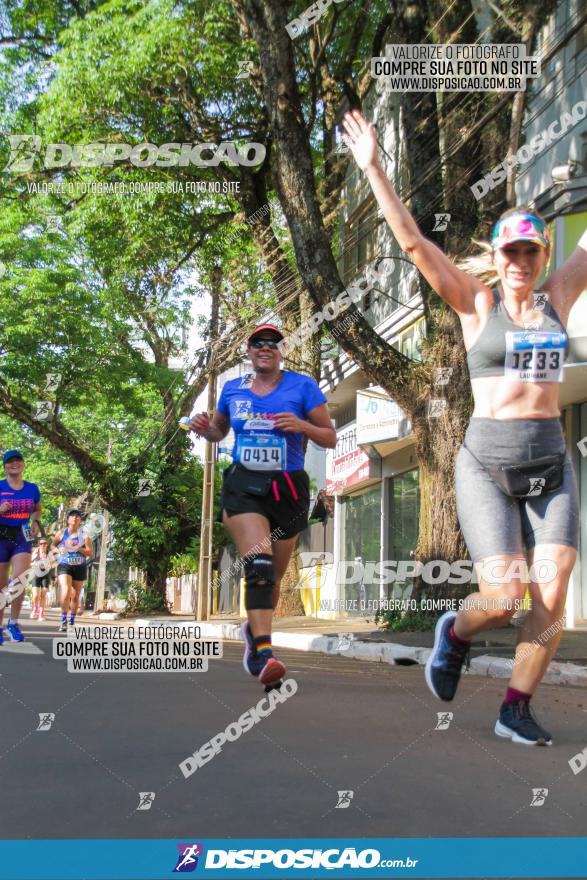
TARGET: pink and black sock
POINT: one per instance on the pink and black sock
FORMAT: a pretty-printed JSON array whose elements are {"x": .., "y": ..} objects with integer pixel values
[
  {"x": 263, "y": 646},
  {"x": 513, "y": 696},
  {"x": 456, "y": 640}
]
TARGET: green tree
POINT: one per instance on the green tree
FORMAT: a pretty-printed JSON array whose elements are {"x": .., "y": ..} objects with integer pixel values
[{"x": 131, "y": 72}]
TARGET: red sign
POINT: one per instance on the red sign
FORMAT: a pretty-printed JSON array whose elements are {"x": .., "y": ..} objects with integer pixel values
[{"x": 347, "y": 465}]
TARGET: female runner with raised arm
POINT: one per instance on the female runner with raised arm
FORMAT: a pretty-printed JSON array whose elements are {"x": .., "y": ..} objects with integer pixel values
[{"x": 516, "y": 491}]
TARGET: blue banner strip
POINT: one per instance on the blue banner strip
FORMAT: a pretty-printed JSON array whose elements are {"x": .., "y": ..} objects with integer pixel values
[{"x": 271, "y": 858}]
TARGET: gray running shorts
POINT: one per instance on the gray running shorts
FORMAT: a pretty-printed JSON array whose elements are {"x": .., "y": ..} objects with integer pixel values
[{"x": 494, "y": 524}]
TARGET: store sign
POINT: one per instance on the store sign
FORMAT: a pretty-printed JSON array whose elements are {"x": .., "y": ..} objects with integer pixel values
[
  {"x": 379, "y": 419},
  {"x": 347, "y": 465}
]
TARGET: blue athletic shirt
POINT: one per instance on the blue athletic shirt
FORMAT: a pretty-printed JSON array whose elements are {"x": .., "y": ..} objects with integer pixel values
[
  {"x": 258, "y": 444},
  {"x": 22, "y": 502},
  {"x": 68, "y": 554}
]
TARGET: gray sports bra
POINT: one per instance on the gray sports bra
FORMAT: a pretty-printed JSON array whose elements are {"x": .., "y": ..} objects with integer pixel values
[{"x": 487, "y": 357}]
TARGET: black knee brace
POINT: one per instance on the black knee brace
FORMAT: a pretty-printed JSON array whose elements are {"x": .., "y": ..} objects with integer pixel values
[{"x": 260, "y": 580}]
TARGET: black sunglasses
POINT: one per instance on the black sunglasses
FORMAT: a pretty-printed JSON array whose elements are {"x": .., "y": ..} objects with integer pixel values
[{"x": 259, "y": 343}]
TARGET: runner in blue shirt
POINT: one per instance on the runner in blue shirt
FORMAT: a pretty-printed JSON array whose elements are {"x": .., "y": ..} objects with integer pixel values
[
  {"x": 19, "y": 501},
  {"x": 266, "y": 491}
]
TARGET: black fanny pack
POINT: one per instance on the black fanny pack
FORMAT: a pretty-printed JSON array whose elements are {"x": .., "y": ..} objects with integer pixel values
[
  {"x": 10, "y": 533},
  {"x": 249, "y": 482},
  {"x": 528, "y": 478}
]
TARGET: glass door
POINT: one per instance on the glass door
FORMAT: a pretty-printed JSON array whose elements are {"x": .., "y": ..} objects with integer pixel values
[
  {"x": 404, "y": 506},
  {"x": 360, "y": 549}
]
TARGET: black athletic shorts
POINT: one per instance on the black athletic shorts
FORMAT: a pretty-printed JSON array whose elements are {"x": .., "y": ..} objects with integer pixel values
[
  {"x": 286, "y": 505},
  {"x": 77, "y": 572},
  {"x": 44, "y": 582}
]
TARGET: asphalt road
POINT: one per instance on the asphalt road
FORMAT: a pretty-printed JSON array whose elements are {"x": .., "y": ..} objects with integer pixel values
[{"x": 352, "y": 726}]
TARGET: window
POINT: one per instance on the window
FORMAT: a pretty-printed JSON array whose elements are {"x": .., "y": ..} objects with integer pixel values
[
  {"x": 582, "y": 38},
  {"x": 360, "y": 240},
  {"x": 410, "y": 342},
  {"x": 360, "y": 549},
  {"x": 404, "y": 509}
]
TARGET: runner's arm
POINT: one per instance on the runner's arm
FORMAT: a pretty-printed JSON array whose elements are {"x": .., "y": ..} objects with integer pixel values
[
  {"x": 57, "y": 538},
  {"x": 36, "y": 516},
  {"x": 453, "y": 285},
  {"x": 88, "y": 548},
  {"x": 456, "y": 287}
]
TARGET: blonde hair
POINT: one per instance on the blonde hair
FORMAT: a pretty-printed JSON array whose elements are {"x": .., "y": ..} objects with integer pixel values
[{"x": 481, "y": 264}]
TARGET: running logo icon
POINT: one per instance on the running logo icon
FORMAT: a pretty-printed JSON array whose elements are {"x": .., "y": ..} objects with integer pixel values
[
  {"x": 187, "y": 860},
  {"x": 23, "y": 149},
  {"x": 537, "y": 484},
  {"x": 436, "y": 408},
  {"x": 46, "y": 719},
  {"x": 539, "y": 795},
  {"x": 242, "y": 409},
  {"x": 441, "y": 222},
  {"x": 444, "y": 719},
  {"x": 311, "y": 557},
  {"x": 52, "y": 381},
  {"x": 442, "y": 375},
  {"x": 43, "y": 410},
  {"x": 245, "y": 69},
  {"x": 344, "y": 641},
  {"x": 146, "y": 799},
  {"x": 344, "y": 799}
]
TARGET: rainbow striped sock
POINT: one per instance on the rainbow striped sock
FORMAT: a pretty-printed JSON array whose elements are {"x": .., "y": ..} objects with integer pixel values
[{"x": 263, "y": 645}]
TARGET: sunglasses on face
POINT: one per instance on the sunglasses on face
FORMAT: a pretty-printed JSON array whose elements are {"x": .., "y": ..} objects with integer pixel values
[{"x": 259, "y": 343}]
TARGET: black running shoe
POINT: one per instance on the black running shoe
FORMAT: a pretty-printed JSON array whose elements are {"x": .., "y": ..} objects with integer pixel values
[
  {"x": 517, "y": 722},
  {"x": 443, "y": 667}
]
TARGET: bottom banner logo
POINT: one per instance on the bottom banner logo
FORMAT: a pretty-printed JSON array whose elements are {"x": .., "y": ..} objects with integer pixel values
[{"x": 187, "y": 859}]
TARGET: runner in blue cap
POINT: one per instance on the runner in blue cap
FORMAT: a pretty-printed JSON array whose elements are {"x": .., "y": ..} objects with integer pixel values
[
  {"x": 19, "y": 501},
  {"x": 76, "y": 549}
]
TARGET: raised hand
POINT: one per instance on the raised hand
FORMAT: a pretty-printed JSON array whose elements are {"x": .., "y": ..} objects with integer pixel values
[{"x": 361, "y": 137}]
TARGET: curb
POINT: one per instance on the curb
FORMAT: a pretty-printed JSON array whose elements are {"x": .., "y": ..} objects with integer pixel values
[{"x": 567, "y": 674}]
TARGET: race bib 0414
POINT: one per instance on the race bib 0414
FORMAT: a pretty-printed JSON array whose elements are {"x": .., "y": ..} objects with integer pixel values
[
  {"x": 535, "y": 356},
  {"x": 261, "y": 452}
]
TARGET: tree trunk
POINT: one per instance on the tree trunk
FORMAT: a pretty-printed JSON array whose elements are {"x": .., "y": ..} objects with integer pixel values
[
  {"x": 290, "y": 600},
  {"x": 156, "y": 577},
  {"x": 437, "y": 439},
  {"x": 439, "y": 536}
]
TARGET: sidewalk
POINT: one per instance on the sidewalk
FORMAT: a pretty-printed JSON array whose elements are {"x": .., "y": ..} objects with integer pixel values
[{"x": 491, "y": 654}]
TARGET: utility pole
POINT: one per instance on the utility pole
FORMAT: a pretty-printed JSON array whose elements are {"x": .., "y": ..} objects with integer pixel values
[
  {"x": 101, "y": 579},
  {"x": 205, "y": 565}
]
